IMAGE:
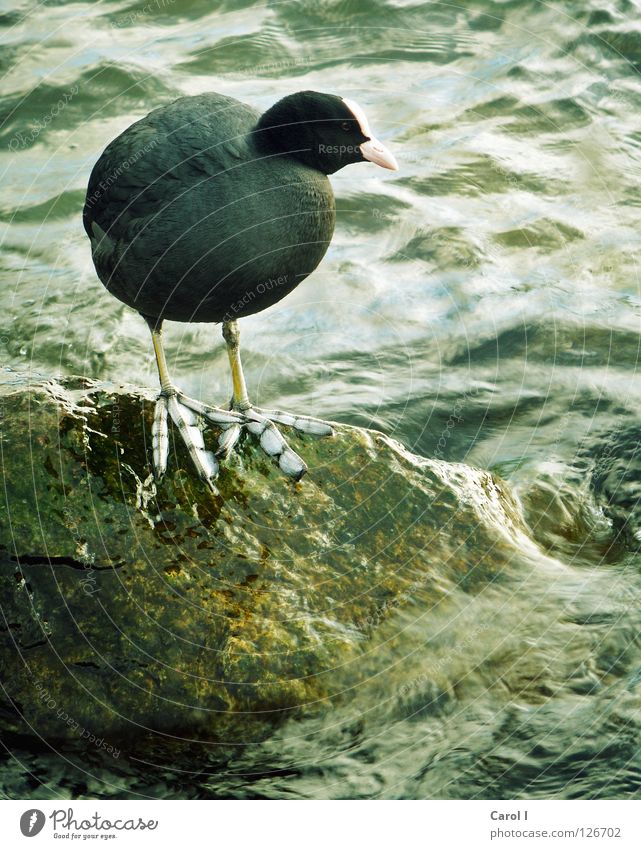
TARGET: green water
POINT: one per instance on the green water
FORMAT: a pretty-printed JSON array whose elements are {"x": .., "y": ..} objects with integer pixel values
[{"x": 481, "y": 305}]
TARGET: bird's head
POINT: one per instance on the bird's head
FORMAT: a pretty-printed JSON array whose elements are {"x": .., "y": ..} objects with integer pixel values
[{"x": 324, "y": 131}]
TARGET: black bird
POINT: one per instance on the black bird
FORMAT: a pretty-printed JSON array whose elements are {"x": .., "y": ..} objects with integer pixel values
[{"x": 206, "y": 210}]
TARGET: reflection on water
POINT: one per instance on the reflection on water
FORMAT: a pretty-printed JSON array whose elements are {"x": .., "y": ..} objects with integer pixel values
[{"x": 481, "y": 305}]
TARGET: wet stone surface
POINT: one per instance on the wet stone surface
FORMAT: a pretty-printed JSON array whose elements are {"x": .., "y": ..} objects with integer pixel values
[{"x": 145, "y": 609}]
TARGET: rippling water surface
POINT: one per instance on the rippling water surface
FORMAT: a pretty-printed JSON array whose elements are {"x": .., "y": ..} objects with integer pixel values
[{"x": 482, "y": 305}]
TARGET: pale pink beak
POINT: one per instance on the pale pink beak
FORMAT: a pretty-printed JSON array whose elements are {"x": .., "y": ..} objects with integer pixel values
[
  {"x": 373, "y": 150},
  {"x": 376, "y": 152}
]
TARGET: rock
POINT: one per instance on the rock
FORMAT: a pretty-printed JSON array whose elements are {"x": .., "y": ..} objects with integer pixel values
[{"x": 130, "y": 609}]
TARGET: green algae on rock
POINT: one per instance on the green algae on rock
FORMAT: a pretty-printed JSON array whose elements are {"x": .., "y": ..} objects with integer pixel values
[{"x": 131, "y": 607}]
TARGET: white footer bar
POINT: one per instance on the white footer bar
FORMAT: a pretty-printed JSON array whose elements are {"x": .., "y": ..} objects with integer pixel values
[{"x": 320, "y": 824}]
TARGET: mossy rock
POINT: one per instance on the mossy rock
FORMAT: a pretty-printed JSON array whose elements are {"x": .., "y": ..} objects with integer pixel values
[{"x": 131, "y": 608}]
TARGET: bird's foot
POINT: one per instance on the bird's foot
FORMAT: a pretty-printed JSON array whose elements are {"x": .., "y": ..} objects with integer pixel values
[
  {"x": 260, "y": 423},
  {"x": 184, "y": 413}
]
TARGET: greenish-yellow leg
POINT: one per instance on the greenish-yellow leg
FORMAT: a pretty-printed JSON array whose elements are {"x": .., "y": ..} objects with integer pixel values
[
  {"x": 184, "y": 413},
  {"x": 260, "y": 422}
]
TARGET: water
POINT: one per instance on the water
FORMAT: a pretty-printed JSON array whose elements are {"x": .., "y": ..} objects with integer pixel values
[{"x": 481, "y": 305}]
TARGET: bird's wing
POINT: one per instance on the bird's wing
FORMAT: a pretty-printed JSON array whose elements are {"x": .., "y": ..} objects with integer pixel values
[{"x": 159, "y": 157}]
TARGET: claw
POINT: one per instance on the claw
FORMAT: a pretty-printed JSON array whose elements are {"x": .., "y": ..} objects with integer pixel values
[
  {"x": 160, "y": 437},
  {"x": 185, "y": 420},
  {"x": 292, "y": 464}
]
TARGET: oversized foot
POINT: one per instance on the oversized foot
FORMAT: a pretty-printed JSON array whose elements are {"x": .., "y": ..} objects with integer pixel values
[{"x": 184, "y": 413}]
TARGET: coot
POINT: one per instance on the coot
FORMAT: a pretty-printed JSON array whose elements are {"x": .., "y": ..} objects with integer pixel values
[{"x": 206, "y": 210}]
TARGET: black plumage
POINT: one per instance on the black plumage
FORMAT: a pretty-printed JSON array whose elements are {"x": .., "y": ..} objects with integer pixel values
[{"x": 206, "y": 210}]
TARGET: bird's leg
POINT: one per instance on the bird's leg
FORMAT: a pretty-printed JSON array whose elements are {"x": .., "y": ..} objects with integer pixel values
[
  {"x": 261, "y": 422},
  {"x": 184, "y": 413}
]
